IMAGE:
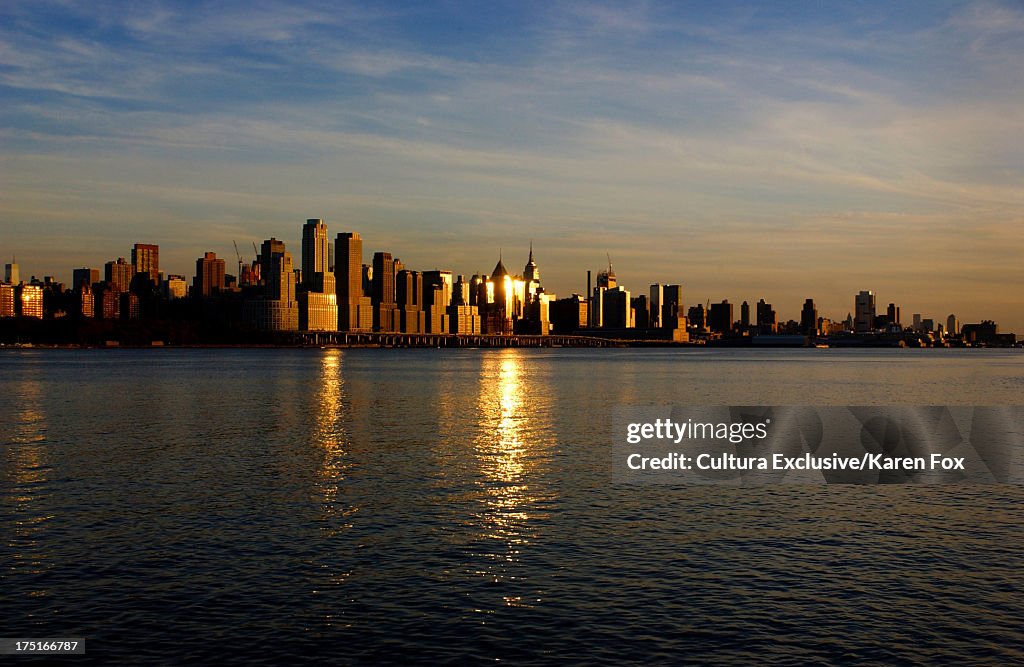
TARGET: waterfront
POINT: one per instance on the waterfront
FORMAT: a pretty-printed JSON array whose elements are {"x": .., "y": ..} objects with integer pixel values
[{"x": 260, "y": 505}]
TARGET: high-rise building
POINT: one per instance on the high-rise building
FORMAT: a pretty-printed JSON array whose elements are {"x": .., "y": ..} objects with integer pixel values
[
  {"x": 864, "y": 309},
  {"x": 893, "y": 314},
  {"x": 382, "y": 294},
  {"x": 86, "y": 277},
  {"x": 85, "y": 302},
  {"x": 952, "y": 325},
  {"x": 146, "y": 259},
  {"x": 354, "y": 306},
  {"x": 720, "y": 317},
  {"x": 671, "y": 306},
  {"x": 437, "y": 296},
  {"x": 616, "y": 309},
  {"x": 7, "y": 300},
  {"x": 11, "y": 274},
  {"x": 29, "y": 301},
  {"x": 767, "y": 322},
  {"x": 209, "y": 278},
  {"x": 744, "y": 315},
  {"x": 278, "y": 309},
  {"x": 809, "y": 318},
  {"x": 917, "y": 322},
  {"x": 408, "y": 298},
  {"x": 317, "y": 274},
  {"x": 119, "y": 274},
  {"x": 656, "y": 299}
]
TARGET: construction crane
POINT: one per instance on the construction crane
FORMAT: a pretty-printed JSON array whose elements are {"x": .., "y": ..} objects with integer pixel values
[{"x": 239, "y": 256}]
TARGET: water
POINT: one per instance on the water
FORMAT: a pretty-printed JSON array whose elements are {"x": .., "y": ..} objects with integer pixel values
[{"x": 261, "y": 506}]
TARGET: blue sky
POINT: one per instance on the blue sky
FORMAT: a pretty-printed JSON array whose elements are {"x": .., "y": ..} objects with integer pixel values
[{"x": 748, "y": 150}]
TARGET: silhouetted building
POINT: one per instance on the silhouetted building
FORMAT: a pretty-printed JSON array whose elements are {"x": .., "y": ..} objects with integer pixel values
[
  {"x": 657, "y": 298},
  {"x": 569, "y": 314},
  {"x": 437, "y": 296},
  {"x": 744, "y": 316},
  {"x": 641, "y": 312},
  {"x": 864, "y": 307},
  {"x": 87, "y": 277},
  {"x": 720, "y": 317},
  {"x": 697, "y": 316},
  {"x": 893, "y": 313},
  {"x": 671, "y": 306},
  {"x": 209, "y": 278},
  {"x": 11, "y": 273},
  {"x": 952, "y": 325},
  {"x": 767, "y": 321},
  {"x": 809, "y": 318}
]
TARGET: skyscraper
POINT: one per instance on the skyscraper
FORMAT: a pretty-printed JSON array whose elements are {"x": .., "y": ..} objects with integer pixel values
[
  {"x": 809, "y": 318},
  {"x": 864, "y": 310},
  {"x": 354, "y": 307},
  {"x": 11, "y": 274},
  {"x": 119, "y": 274},
  {"x": 146, "y": 259},
  {"x": 209, "y": 279},
  {"x": 383, "y": 292},
  {"x": 86, "y": 277},
  {"x": 278, "y": 309},
  {"x": 656, "y": 299},
  {"x": 316, "y": 276}
]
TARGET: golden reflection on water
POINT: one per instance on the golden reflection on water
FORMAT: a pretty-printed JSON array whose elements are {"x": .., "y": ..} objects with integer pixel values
[
  {"x": 30, "y": 466},
  {"x": 512, "y": 444},
  {"x": 331, "y": 438}
]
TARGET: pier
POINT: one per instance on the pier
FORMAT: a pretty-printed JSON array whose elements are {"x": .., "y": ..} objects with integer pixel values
[{"x": 383, "y": 339}]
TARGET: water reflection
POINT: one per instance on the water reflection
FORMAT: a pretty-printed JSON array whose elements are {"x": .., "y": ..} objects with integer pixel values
[
  {"x": 29, "y": 470},
  {"x": 330, "y": 435},
  {"x": 512, "y": 451}
]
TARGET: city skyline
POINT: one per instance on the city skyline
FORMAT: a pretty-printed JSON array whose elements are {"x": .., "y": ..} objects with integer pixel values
[
  {"x": 743, "y": 151},
  {"x": 317, "y": 252}
]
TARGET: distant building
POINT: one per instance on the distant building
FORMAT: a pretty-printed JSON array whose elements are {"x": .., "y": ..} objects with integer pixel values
[
  {"x": 464, "y": 319},
  {"x": 382, "y": 293},
  {"x": 744, "y": 316},
  {"x": 355, "y": 310},
  {"x": 209, "y": 279},
  {"x": 616, "y": 309},
  {"x": 720, "y": 317},
  {"x": 952, "y": 325},
  {"x": 437, "y": 297},
  {"x": 84, "y": 276},
  {"x": 809, "y": 318},
  {"x": 569, "y": 314},
  {"x": 893, "y": 313},
  {"x": 657, "y": 298},
  {"x": 146, "y": 259},
  {"x": 119, "y": 274},
  {"x": 29, "y": 301},
  {"x": 11, "y": 274},
  {"x": 7, "y": 299},
  {"x": 864, "y": 307},
  {"x": 84, "y": 300},
  {"x": 277, "y": 309},
  {"x": 175, "y": 287},
  {"x": 767, "y": 321}
]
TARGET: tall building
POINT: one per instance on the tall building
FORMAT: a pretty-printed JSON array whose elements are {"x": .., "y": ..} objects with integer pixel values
[
  {"x": 893, "y": 314},
  {"x": 952, "y": 325},
  {"x": 616, "y": 309},
  {"x": 809, "y": 318},
  {"x": 209, "y": 279},
  {"x": 119, "y": 274},
  {"x": 656, "y": 299},
  {"x": 354, "y": 306},
  {"x": 744, "y": 315},
  {"x": 864, "y": 309},
  {"x": 87, "y": 277},
  {"x": 29, "y": 301},
  {"x": 11, "y": 274},
  {"x": 720, "y": 317},
  {"x": 7, "y": 300},
  {"x": 409, "y": 297},
  {"x": 146, "y": 259},
  {"x": 767, "y": 322},
  {"x": 382, "y": 294},
  {"x": 318, "y": 298},
  {"x": 437, "y": 296},
  {"x": 278, "y": 309}
]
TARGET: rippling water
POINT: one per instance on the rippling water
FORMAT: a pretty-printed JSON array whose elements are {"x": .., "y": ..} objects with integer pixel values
[{"x": 259, "y": 506}]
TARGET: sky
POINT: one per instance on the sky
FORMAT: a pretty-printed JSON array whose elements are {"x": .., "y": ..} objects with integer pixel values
[{"x": 746, "y": 150}]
